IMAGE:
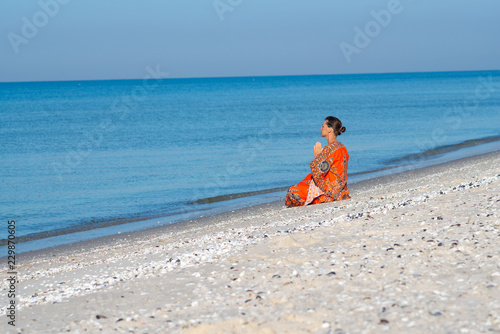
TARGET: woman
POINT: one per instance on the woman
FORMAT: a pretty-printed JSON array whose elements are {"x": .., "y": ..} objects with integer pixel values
[{"x": 327, "y": 181}]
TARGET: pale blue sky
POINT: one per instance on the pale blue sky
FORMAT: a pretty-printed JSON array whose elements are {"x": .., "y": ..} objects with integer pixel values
[{"x": 118, "y": 39}]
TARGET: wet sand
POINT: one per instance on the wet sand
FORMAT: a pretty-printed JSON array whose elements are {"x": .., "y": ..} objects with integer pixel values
[{"x": 412, "y": 252}]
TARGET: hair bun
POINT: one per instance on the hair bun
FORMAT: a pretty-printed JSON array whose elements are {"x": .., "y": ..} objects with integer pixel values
[{"x": 342, "y": 129}]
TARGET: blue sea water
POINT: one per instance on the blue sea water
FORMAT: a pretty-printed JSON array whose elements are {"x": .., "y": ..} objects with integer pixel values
[{"x": 84, "y": 155}]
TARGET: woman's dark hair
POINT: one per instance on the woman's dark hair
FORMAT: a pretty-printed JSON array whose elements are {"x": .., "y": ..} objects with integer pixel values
[{"x": 335, "y": 124}]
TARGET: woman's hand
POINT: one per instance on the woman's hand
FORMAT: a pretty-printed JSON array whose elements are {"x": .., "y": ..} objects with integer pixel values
[{"x": 317, "y": 149}]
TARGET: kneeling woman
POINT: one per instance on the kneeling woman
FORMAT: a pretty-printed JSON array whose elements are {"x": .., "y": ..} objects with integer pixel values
[{"x": 327, "y": 181}]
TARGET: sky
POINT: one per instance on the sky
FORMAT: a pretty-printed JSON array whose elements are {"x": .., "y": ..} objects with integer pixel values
[{"x": 50, "y": 40}]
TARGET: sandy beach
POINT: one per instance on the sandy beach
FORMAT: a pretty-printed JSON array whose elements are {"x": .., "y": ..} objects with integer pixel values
[{"x": 416, "y": 252}]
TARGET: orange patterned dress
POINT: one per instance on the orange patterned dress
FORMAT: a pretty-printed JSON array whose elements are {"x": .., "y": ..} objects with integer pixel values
[{"x": 327, "y": 181}]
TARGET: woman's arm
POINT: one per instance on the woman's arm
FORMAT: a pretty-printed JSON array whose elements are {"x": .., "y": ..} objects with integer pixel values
[{"x": 321, "y": 165}]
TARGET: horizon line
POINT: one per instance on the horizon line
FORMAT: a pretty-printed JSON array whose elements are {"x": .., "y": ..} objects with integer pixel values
[{"x": 252, "y": 76}]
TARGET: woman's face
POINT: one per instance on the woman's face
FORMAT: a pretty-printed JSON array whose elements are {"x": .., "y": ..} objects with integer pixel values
[{"x": 324, "y": 129}]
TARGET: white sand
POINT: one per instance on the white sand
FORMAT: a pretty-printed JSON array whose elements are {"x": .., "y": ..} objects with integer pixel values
[{"x": 417, "y": 252}]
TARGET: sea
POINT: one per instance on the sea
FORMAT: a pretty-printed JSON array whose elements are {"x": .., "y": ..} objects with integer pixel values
[{"x": 86, "y": 159}]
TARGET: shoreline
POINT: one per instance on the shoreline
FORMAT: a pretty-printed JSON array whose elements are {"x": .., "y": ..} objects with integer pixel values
[
  {"x": 91, "y": 233},
  {"x": 206, "y": 221},
  {"x": 416, "y": 251}
]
